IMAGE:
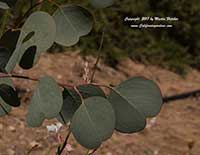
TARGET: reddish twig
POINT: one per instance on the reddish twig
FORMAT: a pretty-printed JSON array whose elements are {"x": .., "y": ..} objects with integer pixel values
[{"x": 5, "y": 75}]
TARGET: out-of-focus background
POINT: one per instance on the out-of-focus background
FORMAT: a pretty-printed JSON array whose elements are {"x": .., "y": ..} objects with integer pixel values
[
  {"x": 175, "y": 49},
  {"x": 170, "y": 57}
]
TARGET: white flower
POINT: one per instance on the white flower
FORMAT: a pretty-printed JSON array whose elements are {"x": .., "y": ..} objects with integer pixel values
[
  {"x": 151, "y": 123},
  {"x": 54, "y": 127}
]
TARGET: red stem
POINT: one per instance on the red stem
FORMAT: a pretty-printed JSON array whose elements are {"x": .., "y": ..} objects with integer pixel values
[{"x": 5, "y": 75}]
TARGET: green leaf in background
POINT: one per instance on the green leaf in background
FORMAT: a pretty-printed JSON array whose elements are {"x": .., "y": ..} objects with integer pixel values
[
  {"x": 43, "y": 29},
  {"x": 71, "y": 102},
  {"x": 10, "y": 3},
  {"x": 7, "y": 45},
  {"x": 93, "y": 122},
  {"x": 89, "y": 90},
  {"x": 46, "y": 102},
  {"x": 5, "y": 108},
  {"x": 72, "y": 22},
  {"x": 4, "y": 57},
  {"x": 102, "y": 3},
  {"x": 27, "y": 59},
  {"x": 9, "y": 95},
  {"x": 4, "y": 6},
  {"x": 134, "y": 100}
]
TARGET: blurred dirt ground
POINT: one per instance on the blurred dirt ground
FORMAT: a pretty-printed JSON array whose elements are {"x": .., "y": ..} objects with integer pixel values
[{"x": 175, "y": 131}]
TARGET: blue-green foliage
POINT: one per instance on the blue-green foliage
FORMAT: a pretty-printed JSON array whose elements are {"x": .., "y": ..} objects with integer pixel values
[
  {"x": 175, "y": 48},
  {"x": 93, "y": 115}
]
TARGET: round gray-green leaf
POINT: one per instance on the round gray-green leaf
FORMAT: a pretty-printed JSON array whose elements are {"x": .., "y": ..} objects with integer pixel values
[
  {"x": 144, "y": 94},
  {"x": 5, "y": 108},
  {"x": 72, "y": 22},
  {"x": 39, "y": 30},
  {"x": 93, "y": 122},
  {"x": 128, "y": 118},
  {"x": 71, "y": 102},
  {"x": 9, "y": 95},
  {"x": 46, "y": 102},
  {"x": 102, "y": 3}
]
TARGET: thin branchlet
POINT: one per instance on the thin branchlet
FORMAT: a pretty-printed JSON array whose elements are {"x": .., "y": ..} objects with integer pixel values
[
  {"x": 5, "y": 75},
  {"x": 98, "y": 56},
  {"x": 64, "y": 144},
  {"x": 91, "y": 152},
  {"x": 20, "y": 20}
]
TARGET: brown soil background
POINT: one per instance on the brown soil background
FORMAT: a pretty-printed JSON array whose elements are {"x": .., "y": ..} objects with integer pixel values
[{"x": 177, "y": 127}]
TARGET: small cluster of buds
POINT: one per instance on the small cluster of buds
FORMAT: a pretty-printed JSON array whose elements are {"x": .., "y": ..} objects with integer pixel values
[{"x": 86, "y": 75}]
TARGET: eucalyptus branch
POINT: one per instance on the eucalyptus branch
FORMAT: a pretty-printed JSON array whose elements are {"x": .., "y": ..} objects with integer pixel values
[
  {"x": 78, "y": 92},
  {"x": 5, "y": 75},
  {"x": 103, "y": 85},
  {"x": 9, "y": 75},
  {"x": 31, "y": 150},
  {"x": 54, "y": 3},
  {"x": 87, "y": 120},
  {"x": 62, "y": 117}
]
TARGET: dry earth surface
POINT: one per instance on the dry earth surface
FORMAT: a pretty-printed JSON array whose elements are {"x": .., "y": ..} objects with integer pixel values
[{"x": 175, "y": 131}]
